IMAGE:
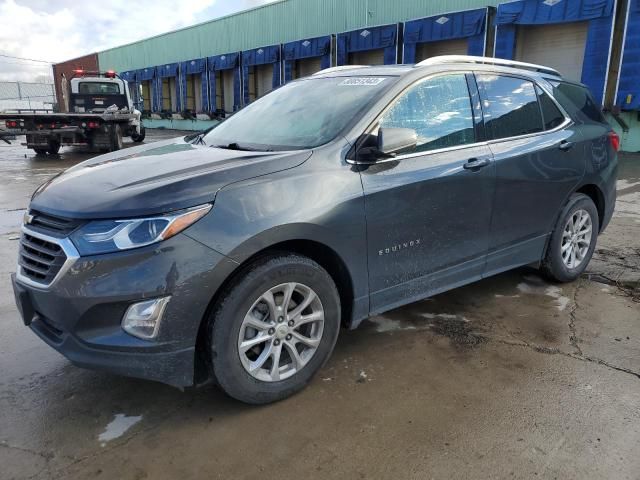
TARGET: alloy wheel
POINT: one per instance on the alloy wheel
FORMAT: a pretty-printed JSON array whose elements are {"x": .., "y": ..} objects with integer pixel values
[
  {"x": 281, "y": 332},
  {"x": 576, "y": 238}
]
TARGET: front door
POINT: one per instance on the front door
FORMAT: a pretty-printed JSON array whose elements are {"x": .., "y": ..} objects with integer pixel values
[{"x": 428, "y": 209}]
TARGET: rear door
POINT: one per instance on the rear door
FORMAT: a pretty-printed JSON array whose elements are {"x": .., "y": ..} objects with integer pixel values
[
  {"x": 428, "y": 209},
  {"x": 539, "y": 160}
]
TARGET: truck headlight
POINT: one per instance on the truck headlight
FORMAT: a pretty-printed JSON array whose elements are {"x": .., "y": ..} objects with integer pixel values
[{"x": 105, "y": 236}]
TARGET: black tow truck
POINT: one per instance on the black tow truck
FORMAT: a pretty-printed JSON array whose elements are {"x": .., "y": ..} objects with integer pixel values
[{"x": 100, "y": 112}]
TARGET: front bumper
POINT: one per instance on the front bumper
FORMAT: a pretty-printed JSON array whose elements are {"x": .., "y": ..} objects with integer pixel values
[{"x": 80, "y": 314}]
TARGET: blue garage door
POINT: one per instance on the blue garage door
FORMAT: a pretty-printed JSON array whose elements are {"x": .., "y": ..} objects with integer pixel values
[
  {"x": 147, "y": 78},
  {"x": 168, "y": 87},
  {"x": 224, "y": 83},
  {"x": 468, "y": 25},
  {"x": 130, "y": 77},
  {"x": 598, "y": 13},
  {"x": 368, "y": 40},
  {"x": 296, "y": 55},
  {"x": 194, "y": 89},
  {"x": 260, "y": 71},
  {"x": 628, "y": 91}
]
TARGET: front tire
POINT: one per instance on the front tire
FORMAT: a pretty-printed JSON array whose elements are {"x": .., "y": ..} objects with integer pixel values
[
  {"x": 573, "y": 240},
  {"x": 274, "y": 328}
]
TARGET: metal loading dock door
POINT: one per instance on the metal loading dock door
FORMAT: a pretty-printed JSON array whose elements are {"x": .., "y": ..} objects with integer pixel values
[
  {"x": 306, "y": 57},
  {"x": 628, "y": 88},
  {"x": 168, "y": 88},
  {"x": 368, "y": 46},
  {"x": 130, "y": 77},
  {"x": 147, "y": 78},
  {"x": 458, "y": 33},
  {"x": 260, "y": 71},
  {"x": 560, "y": 46},
  {"x": 193, "y": 85},
  {"x": 598, "y": 15},
  {"x": 224, "y": 83}
]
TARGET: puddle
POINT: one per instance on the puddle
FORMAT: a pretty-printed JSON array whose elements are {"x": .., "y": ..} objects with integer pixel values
[
  {"x": 118, "y": 427},
  {"x": 10, "y": 221}
]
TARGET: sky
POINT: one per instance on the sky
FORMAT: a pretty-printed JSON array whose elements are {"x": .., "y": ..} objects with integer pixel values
[{"x": 58, "y": 30}]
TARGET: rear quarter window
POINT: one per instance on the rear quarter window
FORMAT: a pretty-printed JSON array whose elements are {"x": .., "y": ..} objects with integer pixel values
[{"x": 578, "y": 102}]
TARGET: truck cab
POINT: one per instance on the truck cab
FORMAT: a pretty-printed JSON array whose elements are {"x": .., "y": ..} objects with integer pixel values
[{"x": 96, "y": 94}]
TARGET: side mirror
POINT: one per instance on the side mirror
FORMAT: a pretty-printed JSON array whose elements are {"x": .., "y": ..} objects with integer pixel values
[{"x": 394, "y": 140}]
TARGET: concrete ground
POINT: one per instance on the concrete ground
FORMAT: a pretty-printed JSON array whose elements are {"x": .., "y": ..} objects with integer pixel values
[{"x": 510, "y": 377}]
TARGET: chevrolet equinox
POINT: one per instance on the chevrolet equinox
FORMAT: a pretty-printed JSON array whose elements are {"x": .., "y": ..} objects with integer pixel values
[{"x": 236, "y": 255}]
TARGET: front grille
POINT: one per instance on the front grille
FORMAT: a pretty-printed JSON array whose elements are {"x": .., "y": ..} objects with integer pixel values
[
  {"x": 40, "y": 260},
  {"x": 58, "y": 226}
]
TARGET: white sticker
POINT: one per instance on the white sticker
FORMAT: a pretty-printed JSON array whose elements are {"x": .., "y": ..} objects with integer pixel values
[{"x": 362, "y": 81}]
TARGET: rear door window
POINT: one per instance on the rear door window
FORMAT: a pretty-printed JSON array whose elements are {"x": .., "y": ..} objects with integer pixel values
[
  {"x": 510, "y": 106},
  {"x": 438, "y": 109}
]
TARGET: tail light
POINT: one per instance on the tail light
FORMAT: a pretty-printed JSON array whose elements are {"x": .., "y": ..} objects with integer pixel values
[
  {"x": 11, "y": 123},
  {"x": 614, "y": 138},
  {"x": 93, "y": 125}
]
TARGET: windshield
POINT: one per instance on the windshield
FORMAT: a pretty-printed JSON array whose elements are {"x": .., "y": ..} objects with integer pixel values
[{"x": 302, "y": 114}]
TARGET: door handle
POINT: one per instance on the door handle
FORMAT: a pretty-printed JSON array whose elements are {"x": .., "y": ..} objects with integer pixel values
[
  {"x": 565, "y": 146},
  {"x": 476, "y": 163}
]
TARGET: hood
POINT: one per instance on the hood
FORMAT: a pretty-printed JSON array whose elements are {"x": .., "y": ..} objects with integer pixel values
[{"x": 154, "y": 178}]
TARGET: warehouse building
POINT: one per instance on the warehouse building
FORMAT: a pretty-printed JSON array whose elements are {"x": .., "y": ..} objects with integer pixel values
[{"x": 193, "y": 77}]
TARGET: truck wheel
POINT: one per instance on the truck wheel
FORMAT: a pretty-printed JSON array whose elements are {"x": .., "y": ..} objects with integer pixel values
[
  {"x": 40, "y": 151},
  {"x": 273, "y": 328},
  {"x": 573, "y": 240},
  {"x": 139, "y": 137},
  {"x": 54, "y": 147},
  {"x": 116, "y": 138}
]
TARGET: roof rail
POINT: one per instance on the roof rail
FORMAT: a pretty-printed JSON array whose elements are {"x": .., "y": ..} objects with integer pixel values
[
  {"x": 337, "y": 69},
  {"x": 488, "y": 61}
]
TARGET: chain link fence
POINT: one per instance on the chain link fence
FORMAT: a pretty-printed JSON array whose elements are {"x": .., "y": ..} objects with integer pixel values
[{"x": 26, "y": 95}]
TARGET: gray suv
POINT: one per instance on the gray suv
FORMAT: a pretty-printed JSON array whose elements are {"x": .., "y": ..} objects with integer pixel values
[{"x": 237, "y": 254}]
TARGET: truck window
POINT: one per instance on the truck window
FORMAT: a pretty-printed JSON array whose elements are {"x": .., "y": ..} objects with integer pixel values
[{"x": 98, "y": 88}]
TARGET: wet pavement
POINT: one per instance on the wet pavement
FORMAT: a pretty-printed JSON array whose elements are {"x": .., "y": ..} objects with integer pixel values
[{"x": 510, "y": 377}]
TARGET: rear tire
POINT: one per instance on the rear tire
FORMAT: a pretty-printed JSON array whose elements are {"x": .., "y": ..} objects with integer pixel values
[
  {"x": 54, "y": 147},
  {"x": 40, "y": 151},
  {"x": 573, "y": 240},
  {"x": 139, "y": 137},
  {"x": 290, "y": 345},
  {"x": 115, "y": 134}
]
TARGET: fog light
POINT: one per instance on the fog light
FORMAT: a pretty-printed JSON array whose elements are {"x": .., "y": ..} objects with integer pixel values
[{"x": 142, "y": 319}]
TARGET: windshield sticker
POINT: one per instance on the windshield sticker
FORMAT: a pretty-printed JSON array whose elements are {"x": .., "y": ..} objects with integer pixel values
[{"x": 362, "y": 81}]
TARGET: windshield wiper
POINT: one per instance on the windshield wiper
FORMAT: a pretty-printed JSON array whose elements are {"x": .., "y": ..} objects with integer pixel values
[{"x": 237, "y": 146}]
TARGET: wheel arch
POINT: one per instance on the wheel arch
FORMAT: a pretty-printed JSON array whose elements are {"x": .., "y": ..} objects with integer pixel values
[
  {"x": 327, "y": 257},
  {"x": 595, "y": 193}
]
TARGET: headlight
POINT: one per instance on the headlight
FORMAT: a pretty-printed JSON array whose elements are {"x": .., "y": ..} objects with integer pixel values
[{"x": 104, "y": 236}]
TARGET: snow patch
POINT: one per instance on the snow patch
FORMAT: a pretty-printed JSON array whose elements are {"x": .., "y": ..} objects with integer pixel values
[
  {"x": 118, "y": 427},
  {"x": 384, "y": 324},
  {"x": 551, "y": 291}
]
